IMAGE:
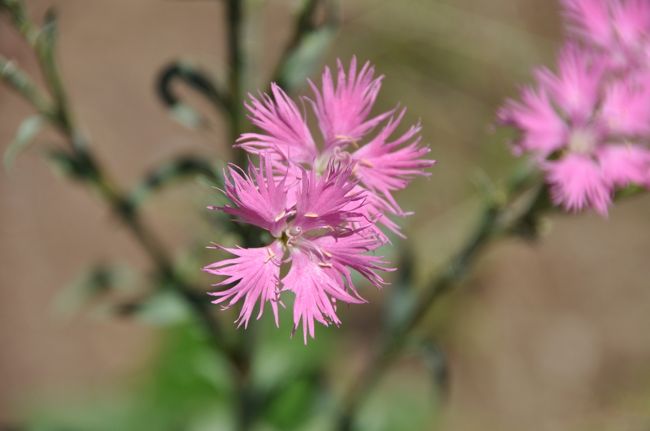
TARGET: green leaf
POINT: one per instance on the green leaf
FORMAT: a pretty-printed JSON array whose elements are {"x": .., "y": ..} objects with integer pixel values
[
  {"x": 295, "y": 403},
  {"x": 187, "y": 116},
  {"x": 164, "y": 308},
  {"x": 25, "y": 135},
  {"x": 306, "y": 57}
]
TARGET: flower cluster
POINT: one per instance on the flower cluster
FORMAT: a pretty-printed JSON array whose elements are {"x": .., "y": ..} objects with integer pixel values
[
  {"x": 321, "y": 200},
  {"x": 588, "y": 123}
]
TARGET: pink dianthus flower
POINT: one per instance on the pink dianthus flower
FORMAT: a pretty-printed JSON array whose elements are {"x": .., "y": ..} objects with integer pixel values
[{"x": 587, "y": 127}]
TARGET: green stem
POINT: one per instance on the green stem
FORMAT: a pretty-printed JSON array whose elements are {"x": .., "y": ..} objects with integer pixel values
[{"x": 236, "y": 77}]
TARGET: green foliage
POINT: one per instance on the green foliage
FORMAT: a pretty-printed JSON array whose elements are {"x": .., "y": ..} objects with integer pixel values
[
  {"x": 163, "y": 308},
  {"x": 306, "y": 57},
  {"x": 186, "y": 387}
]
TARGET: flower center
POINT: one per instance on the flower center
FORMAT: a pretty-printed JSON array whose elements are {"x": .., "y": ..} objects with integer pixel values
[
  {"x": 582, "y": 141},
  {"x": 337, "y": 154}
]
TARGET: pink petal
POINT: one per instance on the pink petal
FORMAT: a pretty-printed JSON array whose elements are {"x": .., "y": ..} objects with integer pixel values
[
  {"x": 384, "y": 166},
  {"x": 542, "y": 130},
  {"x": 577, "y": 182},
  {"x": 626, "y": 107},
  {"x": 316, "y": 292},
  {"x": 286, "y": 134},
  {"x": 254, "y": 276},
  {"x": 575, "y": 86},
  {"x": 258, "y": 197},
  {"x": 351, "y": 252},
  {"x": 589, "y": 19},
  {"x": 623, "y": 165},
  {"x": 343, "y": 108},
  {"x": 327, "y": 201}
]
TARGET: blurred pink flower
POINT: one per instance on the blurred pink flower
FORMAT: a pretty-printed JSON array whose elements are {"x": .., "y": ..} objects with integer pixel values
[
  {"x": 617, "y": 30},
  {"x": 342, "y": 108},
  {"x": 587, "y": 127},
  {"x": 318, "y": 234}
]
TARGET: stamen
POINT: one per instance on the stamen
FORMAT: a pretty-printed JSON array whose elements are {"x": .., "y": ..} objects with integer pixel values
[
  {"x": 270, "y": 256},
  {"x": 366, "y": 163},
  {"x": 311, "y": 215}
]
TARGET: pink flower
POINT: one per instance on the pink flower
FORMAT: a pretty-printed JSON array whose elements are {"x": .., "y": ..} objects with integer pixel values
[
  {"x": 342, "y": 109},
  {"x": 319, "y": 234},
  {"x": 618, "y": 30},
  {"x": 585, "y": 126}
]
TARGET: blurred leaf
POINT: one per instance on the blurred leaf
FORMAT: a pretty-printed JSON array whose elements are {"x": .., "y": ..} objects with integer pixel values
[
  {"x": 163, "y": 308},
  {"x": 305, "y": 58},
  {"x": 187, "y": 116},
  {"x": 25, "y": 135},
  {"x": 89, "y": 285},
  {"x": 294, "y": 401}
]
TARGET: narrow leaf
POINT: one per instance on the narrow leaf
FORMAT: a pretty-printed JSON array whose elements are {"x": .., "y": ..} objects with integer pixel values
[
  {"x": 25, "y": 135},
  {"x": 305, "y": 58}
]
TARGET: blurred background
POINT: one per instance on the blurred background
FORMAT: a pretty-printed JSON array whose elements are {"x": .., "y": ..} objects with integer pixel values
[{"x": 543, "y": 336}]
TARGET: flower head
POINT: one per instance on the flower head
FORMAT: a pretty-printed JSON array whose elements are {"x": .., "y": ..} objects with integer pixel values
[
  {"x": 319, "y": 235},
  {"x": 587, "y": 125},
  {"x": 321, "y": 199}
]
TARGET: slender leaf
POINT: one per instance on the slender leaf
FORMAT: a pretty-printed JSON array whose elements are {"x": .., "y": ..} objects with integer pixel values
[
  {"x": 25, "y": 135},
  {"x": 305, "y": 58}
]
